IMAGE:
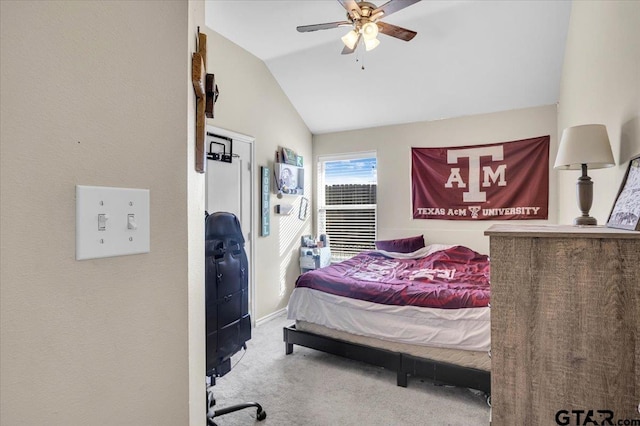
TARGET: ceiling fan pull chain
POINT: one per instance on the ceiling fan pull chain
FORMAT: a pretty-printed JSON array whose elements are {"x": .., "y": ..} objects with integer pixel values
[{"x": 361, "y": 41}]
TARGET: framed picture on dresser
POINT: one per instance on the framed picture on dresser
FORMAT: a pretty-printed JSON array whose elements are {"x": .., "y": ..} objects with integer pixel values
[{"x": 625, "y": 213}]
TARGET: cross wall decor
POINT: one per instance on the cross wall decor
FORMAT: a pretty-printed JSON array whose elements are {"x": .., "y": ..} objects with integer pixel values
[{"x": 206, "y": 90}]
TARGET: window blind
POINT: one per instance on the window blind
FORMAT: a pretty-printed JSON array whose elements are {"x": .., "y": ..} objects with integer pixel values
[{"x": 347, "y": 204}]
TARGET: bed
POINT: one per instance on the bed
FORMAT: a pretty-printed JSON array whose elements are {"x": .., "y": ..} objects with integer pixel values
[{"x": 421, "y": 313}]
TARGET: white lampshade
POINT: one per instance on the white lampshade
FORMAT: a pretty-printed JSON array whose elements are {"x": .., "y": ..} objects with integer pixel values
[
  {"x": 587, "y": 144},
  {"x": 369, "y": 31},
  {"x": 350, "y": 39},
  {"x": 371, "y": 44}
]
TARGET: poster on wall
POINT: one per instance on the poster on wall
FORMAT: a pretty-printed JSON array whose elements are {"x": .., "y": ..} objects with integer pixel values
[{"x": 501, "y": 181}]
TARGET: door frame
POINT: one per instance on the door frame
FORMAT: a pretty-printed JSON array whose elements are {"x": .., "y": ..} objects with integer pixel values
[{"x": 252, "y": 216}]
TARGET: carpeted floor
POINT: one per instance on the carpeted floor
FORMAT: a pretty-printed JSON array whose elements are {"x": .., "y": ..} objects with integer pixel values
[{"x": 312, "y": 388}]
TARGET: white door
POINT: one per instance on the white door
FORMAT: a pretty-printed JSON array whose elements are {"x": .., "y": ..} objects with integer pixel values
[{"x": 229, "y": 188}]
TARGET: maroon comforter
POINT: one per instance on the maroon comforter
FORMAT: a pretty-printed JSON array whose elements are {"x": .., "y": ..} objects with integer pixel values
[{"x": 457, "y": 277}]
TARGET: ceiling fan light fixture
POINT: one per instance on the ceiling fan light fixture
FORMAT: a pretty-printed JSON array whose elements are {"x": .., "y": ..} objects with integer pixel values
[
  {"x": 371, "y": 44},
  {"x": 369, "y": 31},
  {"x": 364, "y": 19},
  {"x": 350, "y": 39}
]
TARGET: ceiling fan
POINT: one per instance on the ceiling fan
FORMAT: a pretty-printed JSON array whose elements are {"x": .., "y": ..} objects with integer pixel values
[{"x": 364, "y": 18}]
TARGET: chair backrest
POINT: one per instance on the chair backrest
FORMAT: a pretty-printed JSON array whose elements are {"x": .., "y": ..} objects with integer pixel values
[{"x": 228, "y": 324}]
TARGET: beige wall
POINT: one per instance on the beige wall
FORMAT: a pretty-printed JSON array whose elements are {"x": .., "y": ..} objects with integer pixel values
[
  {"x": 195, "y": 236},
  {"x": 252, "y": 103},
  {"x": 393, "y": 146},
  {"x": 96, "y": 93},
  {"x": 601, "y": 84}
]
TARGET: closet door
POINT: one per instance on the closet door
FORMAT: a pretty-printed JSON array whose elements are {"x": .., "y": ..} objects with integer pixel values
[
  {"x": 229, "y": 189},
  {"x": 224, "y": 188},
  {"x": 229, "y": 185}
]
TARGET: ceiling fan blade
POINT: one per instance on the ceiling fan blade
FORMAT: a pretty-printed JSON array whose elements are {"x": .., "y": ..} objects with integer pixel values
[
  {"x": 328, "y": 25},
  {"x": 348, "y": 51},
  {"x": 350, "y": 5},
  {"x": 393, "y": 6},
  {"x": 396, "y": 31}
]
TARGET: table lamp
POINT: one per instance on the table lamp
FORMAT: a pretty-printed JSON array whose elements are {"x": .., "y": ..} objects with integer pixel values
[{"x": 581, "y": 147}]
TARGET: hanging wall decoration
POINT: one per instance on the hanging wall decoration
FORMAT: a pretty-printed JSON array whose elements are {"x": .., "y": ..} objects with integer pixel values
[
  {"x": 264, "y": 218},
  {"x": 211, "y": 90},
  {"x": 626, "y": 210},
  {"x": 304, "y": 208},
  {"x": 206, "y": 95},
  {"x": 508, "y": 180}
]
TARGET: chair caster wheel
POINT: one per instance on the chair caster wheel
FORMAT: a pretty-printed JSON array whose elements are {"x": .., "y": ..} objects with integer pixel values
[
  {"x": 261, "y": 415},
  {"x": 211, "y": 401}
]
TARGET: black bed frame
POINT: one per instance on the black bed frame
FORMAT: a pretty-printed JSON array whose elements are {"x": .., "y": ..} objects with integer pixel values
[{"x": 403, "y": 364}]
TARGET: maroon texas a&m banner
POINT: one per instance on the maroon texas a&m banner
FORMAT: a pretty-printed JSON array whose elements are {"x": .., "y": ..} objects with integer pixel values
[{"x": 508, "y": 180}]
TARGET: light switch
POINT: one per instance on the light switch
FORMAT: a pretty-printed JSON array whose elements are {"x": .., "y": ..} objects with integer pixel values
[
  {"x": 111, "y": 221},
  {"x": 102, "y": 222},
  {"x": 131, "y": 221}
]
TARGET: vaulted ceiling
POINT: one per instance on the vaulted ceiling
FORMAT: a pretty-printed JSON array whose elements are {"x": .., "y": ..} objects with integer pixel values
[{"x": 469, "y": 57}]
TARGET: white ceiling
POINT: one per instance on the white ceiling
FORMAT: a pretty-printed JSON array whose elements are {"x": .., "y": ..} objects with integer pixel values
[{"x": 469, "y": 57}]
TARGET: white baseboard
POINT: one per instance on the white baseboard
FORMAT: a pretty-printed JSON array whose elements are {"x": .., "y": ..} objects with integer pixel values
[{"x": 270, "y": 316}]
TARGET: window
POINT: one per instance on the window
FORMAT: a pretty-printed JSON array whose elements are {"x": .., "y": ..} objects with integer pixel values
[{"x": 347, "y": 203}]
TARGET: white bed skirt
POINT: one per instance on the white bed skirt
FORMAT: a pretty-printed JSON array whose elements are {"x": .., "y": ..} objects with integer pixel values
[{"x": 467, "y": 329}]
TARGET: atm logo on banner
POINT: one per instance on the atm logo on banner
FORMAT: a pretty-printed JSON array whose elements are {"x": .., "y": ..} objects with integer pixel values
[{"x": 508, "y": 180}]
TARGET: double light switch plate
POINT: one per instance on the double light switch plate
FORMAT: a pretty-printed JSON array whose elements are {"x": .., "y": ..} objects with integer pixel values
[{"x": 111, "y": 221}]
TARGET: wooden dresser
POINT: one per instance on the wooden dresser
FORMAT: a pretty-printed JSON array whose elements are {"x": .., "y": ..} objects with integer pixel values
[{"x": 565, "y": 321}]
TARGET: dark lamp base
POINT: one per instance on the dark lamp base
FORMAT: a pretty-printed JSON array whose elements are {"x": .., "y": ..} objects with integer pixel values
[
  {"x": 585, "y": 220},
  {"x": 584, "y": 192}
]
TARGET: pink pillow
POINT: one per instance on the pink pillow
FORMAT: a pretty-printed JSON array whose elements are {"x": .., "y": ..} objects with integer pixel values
[{"x": 402, "y": 245}]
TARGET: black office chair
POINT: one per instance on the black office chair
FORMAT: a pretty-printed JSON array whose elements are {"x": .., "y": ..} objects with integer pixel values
[{"x": 228, "y": 323}]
